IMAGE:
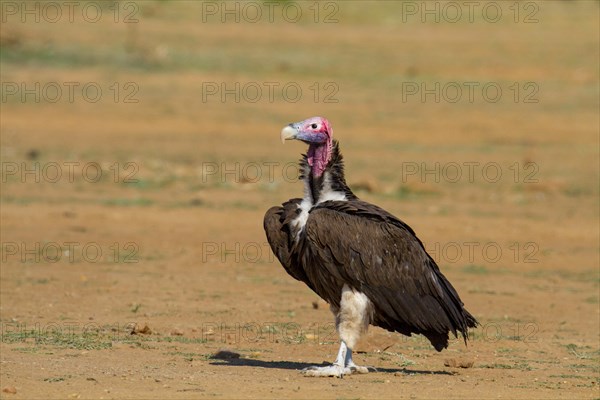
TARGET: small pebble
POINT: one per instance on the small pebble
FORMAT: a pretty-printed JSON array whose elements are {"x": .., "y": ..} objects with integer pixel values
[{"x": 10, "y": 389}]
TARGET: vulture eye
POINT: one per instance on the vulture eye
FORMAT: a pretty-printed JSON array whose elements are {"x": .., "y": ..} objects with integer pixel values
[{"x": 314, "y": 126}]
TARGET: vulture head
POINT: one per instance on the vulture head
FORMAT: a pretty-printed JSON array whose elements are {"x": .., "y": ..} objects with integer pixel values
[{"x": 317, "y": 133}]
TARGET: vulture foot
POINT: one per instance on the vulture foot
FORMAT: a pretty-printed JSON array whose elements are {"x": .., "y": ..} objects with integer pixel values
[
  {"x": 334, "y": 370},
  {"x": 337, "y": 371}
]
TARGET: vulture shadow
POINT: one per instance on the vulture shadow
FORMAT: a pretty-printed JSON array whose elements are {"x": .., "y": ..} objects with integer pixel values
[{"x": 293, "y": 365}]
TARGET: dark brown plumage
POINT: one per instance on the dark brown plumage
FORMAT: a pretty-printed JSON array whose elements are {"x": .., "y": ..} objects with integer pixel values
[
  {"x": 356, "y": 243},
  {"x": 331, "y": 240}
]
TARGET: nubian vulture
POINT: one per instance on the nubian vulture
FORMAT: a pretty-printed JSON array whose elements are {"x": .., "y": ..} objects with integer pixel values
[{"x": 367, "y": 264}]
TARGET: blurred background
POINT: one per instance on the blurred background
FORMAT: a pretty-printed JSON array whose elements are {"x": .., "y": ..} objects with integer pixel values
[
  {"x": 147, "y": 134},
  {"x": 188, "y": 82}
]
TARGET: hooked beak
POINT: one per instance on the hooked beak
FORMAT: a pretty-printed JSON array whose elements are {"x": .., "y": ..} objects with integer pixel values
[{"x": 288, "y": 133}]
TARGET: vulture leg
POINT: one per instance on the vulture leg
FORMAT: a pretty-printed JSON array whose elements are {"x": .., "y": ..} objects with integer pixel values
[
  {"x": 337, "y": 369},
  {"x": 352, "y": 319}
]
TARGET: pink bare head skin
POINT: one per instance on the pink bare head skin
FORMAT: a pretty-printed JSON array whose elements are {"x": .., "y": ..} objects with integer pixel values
[{"x": 318, "y": 134}]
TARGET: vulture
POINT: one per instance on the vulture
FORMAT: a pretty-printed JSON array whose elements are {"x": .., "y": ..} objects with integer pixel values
[{"x": 367, "y": 264}]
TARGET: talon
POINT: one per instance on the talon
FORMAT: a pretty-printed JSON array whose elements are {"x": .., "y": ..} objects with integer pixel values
[{"x": 362, "y": 369}]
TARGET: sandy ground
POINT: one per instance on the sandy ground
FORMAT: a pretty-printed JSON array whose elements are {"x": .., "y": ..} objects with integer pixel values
[{"x": 131, "y": 221}]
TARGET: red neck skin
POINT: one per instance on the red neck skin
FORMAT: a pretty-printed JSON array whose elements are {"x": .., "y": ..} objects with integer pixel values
[{"x": 318, "y": 156}]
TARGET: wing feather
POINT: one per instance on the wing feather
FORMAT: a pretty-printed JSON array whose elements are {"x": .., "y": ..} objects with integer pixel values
[
  {"x": 362, "y": 245},
  {"x": 277, "y": 227}
]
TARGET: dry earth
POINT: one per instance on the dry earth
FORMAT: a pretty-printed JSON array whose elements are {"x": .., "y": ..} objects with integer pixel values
[{"x": 132, "y": 242}]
